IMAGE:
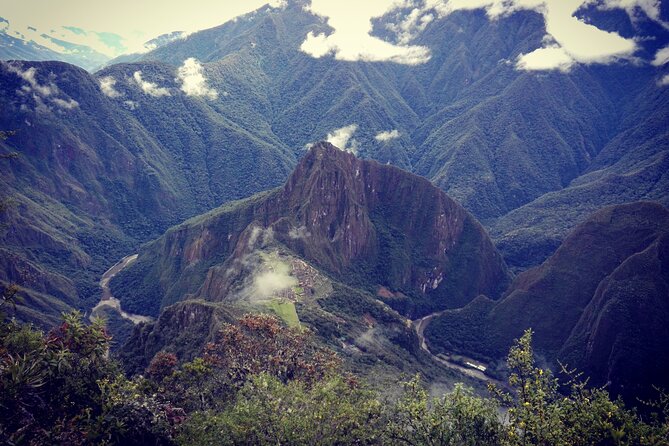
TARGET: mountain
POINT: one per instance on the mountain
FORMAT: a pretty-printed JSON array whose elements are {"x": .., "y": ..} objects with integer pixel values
[
  {"x": 109, "y": 161},
  {"x": 365, "y": 224},
  {"x": 632, "y": 166},
  {"x": 597, "y": 304},
  {"x": 342, "y": 248},
  {"x": 35, "y": 45},
  {"x": 96, "y": 176}
]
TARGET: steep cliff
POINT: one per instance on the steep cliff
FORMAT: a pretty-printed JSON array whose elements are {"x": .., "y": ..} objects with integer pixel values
[{"x": 362, "y": 223}]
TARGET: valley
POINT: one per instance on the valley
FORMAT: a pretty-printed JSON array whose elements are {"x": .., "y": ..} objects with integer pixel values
[
  {"x": 108, "y": 300},
  {"x": 446, "y": 204},
  {"x": 470, "y": 368}
]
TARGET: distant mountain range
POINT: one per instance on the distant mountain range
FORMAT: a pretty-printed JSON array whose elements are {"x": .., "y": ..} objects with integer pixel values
[
  {"x": 32, "y": 44},
  {"x": 29, "y": 43},
  {"x": 110, "y": 160}
]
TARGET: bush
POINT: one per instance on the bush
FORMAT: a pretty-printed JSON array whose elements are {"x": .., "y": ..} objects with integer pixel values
[{"x": 267, "y": 411}]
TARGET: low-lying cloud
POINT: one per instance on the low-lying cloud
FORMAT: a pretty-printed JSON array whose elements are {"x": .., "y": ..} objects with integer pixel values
[
  {"x": 192, "y": 79},
  {"x": 661, "y": 57},
  {"x": 33, "y": 85},
  {"x": 299, "y": 233},
  {"x": 150, "y": 88},
  {"x": 343, "y": 138},
  {"x": 387, "y": 136},
  {"x": 66, "y": 104},
  {"x": 664, "y": 81},
  {"x": 107, "y": 84},
  {"x": 351, "y": 39},
  {"x": 569, "y": 40},
  {"x": 45, "y": 95},
  {"x": 267, "y": 283}
]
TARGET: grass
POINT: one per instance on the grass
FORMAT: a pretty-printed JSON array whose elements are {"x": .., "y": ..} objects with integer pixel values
[{"x": 286, "y": 311}]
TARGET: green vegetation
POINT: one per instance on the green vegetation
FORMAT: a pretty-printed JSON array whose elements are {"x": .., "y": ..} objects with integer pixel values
[
  {"x": 286, "y": 311},
  {"x": 262, "y": 383},
  {"x": 599, "y": 305}
]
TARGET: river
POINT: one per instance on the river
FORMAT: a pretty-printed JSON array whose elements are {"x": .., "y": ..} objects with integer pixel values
[
  {"x": 420, "y": 324},
  {"x": 108, "y": 300}
]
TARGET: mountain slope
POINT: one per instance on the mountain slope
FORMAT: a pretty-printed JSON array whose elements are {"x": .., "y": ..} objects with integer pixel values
[
  {"x": 632, "y": 166},
  {"x": 96, "y": 176},
  {"x": 361, "y": 222},
  {"x": 597, "y": 303},
  {"x": 342, "y": 248},
  {"x": 530, "y": 154}
]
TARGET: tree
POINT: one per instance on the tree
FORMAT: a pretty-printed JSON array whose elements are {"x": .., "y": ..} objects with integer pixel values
[
  {"x": 457, "y": 418},
  {"x": 9, "y": 291},
  {"x": 267, "y": 411},
  {"x": 539, "y": 414},
  {"x": 62, "y": 388},
  {"x": 262, "y": 344}
]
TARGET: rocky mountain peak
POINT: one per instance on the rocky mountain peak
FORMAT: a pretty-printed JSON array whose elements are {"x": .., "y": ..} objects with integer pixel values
[{"x": 360, "y": 221}]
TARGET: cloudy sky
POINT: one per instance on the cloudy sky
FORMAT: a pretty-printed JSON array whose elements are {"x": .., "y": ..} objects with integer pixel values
[{"x": 124, "y": 26}]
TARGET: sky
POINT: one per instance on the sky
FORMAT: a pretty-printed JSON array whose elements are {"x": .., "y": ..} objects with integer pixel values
[
  {"x": 113, "y": 28},
  {"x": 95, "y": 22}
]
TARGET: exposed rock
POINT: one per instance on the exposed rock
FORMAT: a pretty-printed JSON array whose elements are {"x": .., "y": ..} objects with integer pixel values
[{"x": 364, "y": 223}]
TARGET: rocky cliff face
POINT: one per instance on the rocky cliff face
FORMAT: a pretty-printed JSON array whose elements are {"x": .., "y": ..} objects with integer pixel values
[
  {"x": 361, "y": 222},
  {"x": 185, "y": 327}
]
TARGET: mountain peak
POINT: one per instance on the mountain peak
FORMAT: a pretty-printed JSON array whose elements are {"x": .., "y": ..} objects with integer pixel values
[{"x": 361, "y": 222}]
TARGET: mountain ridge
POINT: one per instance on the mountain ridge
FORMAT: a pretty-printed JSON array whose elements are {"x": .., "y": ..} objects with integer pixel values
[{"x": 345, "y": 215}]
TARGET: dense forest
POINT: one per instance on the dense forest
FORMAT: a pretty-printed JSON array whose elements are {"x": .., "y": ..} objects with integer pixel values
[{"x": 263, "y": 383}]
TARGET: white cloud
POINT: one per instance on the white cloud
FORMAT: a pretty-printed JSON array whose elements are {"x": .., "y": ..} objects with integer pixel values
[
  {"x": 33, "y": 85},
  {"x": 65, "y": 104},
  {"x": 278, "y": 4},
  {"x": 107, "y": 86},
  {"x": 661, "y": 57},
  {"x": 341, "y": 138},
  {"x": 299, "y": 233},
  {"x": 387, "y": 136},
  {"x": 150, "y": 88},
  {"x": 664, "y": 81},
  {"x": 351, "y": 39},
  {"x": 650, "y": 7},
  {"x": 131, "y": 105},
  {"x": 547, "y": 58},
  {"x": 267, "y": 283},
  {"x": 45, "y": 95},
  {"x": 193, "y": 82},
  {"x": 569, "y": 40}
]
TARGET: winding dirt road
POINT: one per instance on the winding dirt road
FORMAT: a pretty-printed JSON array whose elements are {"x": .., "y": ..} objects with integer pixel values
[
  {"x": 420, "y": 324},
  {"x": 108, "y": 300}
]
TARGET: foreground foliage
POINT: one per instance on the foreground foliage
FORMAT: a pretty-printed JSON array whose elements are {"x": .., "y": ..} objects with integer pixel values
[{"x": 262, "y": 383}]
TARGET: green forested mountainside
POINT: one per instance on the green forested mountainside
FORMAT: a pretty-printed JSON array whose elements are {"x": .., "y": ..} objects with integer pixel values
[
  {"x": 597, "y": 304},
  {"x": 632, "y": 166},
  {"x": 93, "y": 181}
]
